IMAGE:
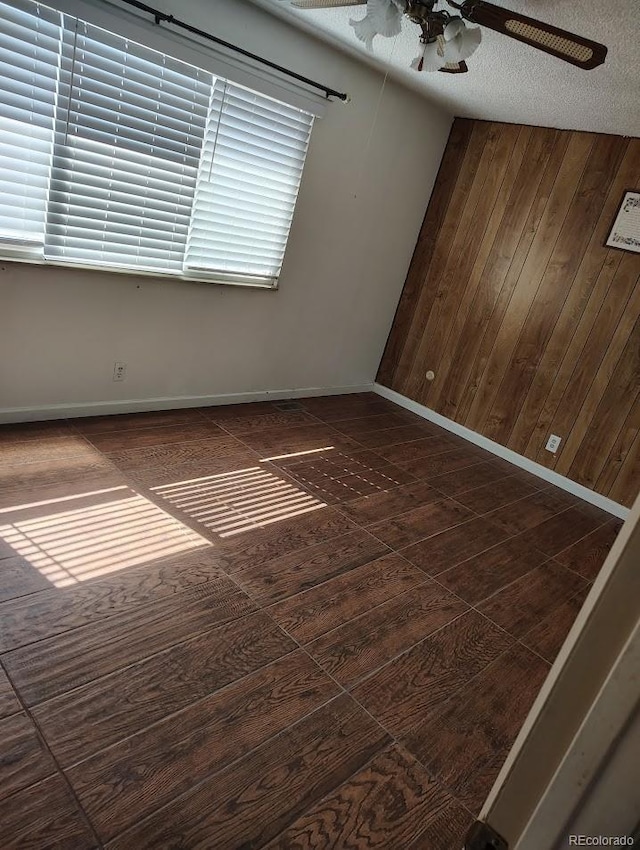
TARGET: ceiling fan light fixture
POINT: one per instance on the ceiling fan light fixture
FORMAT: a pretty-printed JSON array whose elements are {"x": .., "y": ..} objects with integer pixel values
[
  {"x": 461, "y": 41},
  {"x": 454, "y": 28},
  {"x": 384, "y": 17},
  {"x": 432, "y": 57}
]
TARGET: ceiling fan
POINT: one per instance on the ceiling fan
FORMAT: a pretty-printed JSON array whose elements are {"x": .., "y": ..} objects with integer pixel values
[{"x": 446, "y": 39}]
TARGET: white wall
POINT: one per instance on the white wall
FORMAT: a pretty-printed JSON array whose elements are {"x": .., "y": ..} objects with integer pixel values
[{"x": 363, "y": 196}]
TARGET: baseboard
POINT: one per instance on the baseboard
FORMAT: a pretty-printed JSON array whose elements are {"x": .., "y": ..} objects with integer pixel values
[
  {"x": 100, "y": 408},
  {"x": 507, "y": 454}
]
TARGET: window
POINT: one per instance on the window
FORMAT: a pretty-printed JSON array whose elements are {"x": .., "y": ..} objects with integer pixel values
[{"x": 113, "y": 155}]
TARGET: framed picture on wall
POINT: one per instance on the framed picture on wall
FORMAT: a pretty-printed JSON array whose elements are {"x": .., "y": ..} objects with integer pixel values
[{"x": 625, "y": 233}]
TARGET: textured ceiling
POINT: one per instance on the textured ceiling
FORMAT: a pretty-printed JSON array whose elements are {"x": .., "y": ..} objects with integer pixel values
[{"x": 507, "y": 80}]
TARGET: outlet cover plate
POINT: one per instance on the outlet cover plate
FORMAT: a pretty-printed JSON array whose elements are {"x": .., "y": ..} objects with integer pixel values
[{"x": 553, "y": 443}]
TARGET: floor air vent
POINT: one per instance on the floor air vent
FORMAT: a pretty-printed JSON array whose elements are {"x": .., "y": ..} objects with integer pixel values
[{"x": 289, "y": 405}]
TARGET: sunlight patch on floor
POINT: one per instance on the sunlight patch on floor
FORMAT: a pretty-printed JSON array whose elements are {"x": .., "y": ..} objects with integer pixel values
[
  {"x": 76, "y": 538},
  {"x": 232, "y": 503},
  {"x": 302, "y": 454}
]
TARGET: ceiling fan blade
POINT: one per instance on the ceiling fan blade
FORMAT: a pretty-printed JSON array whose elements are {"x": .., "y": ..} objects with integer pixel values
[
  {"x": 565, "y": 45},
  {"x": 326, "y": 4}
]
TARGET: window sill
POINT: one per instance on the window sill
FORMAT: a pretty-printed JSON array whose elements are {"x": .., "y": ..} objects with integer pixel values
[{"x": 221, "y": 279}]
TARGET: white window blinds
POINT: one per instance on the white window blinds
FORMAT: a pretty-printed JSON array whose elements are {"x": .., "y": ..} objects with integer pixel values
[
  {"x": 138, "y": 161},
  {"x": 250, "y": 172},
  {"x": 127, "y": 151},
  {"x": 30, "y": 49}
]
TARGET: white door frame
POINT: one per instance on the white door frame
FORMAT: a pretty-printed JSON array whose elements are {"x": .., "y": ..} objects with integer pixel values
[{"x": 588, "y": 700}]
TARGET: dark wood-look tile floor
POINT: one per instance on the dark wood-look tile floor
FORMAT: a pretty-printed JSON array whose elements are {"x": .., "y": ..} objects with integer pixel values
[{"x": 284, "y": 625}]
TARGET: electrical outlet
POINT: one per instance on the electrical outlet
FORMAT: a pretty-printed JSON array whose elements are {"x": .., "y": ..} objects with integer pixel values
[
  {"x": 553, "y": 443},
  {"x": 119, "y": 371}
]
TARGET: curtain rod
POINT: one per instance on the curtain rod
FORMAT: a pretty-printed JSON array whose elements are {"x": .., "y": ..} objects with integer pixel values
[{"x": 161, "y": 17}]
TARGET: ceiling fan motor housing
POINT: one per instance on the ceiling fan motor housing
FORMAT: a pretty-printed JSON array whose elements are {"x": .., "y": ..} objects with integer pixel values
[{"x": 419, "y": 11}]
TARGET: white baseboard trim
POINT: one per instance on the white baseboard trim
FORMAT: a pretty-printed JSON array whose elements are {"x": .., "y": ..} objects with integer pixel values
[
  {"x": 507, "y": 454},
  {"x": 100, "y": 408}
]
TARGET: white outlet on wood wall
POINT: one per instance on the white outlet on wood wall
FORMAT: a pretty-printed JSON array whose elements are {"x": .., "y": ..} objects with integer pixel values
[{"x": 553, "y": 443}]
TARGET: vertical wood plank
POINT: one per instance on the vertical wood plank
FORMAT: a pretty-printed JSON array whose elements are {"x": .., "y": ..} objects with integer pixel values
[
  {"x": 441, "y": 196},
  {"x": 524, "y": 294},
  {"x": 583, "y": 334},
  {"x": 625, "y": 487},
  {"x": 571, "y": 246},
  {"x": 589, "y": 289},
  {"x": 597, "y": 357},
  {"x": 620, "y": 449},
  {"x": 492, "y": 327},
  {"x": 615, "y": 404},
  {"x": 463, "y": 353},
  {"x": 464, "y": 247},
  {"x": 504, "y": 179},
  {"x": 596, "y": 384},
  {"x": 424, "y": 301}
]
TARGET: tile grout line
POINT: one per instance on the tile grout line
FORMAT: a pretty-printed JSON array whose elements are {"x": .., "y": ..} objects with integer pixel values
[
  {"x": 339, "y": 433},
  {"x": 482, "y": 601},
  {"x": 299, "y": 647},
  {"x": 326, "y": 540},
  {"x": 348, "y": 692},
  {"x": 344, "y": 782},
  {"x": 361, "y": 616},
  {"x": 60, "y": 771},
  {"x": 314, "y": 486},
  {"x": 286, "y": 472},
  {"x": 145, "y": 658},
  {"x": 428, "y": 578},
  {"x": 443, "y": 497},
  {"x": 204, "y": 417},
  {"x": 191, "y": 590},
  {"x": 473, "y": 607},
  {"x": 275, "y": 428},
  {"x": 436, "y": 534},
  {"x": 342, "y": 689},
  {"x": 509, "y": 584},
  {"x": 291, "y": 477},
  {"x": 373, "y": 672},
  {"x": 476, "y": 515},
  {"x": 238, "y": 438},
  {"x": 446, "y": 497},
  {"x": 493, "y": 622},
  {"x": 426, "y": 764},
  {"x": 346, "y": 572},
  {"x": 178, "y": 711},
  {"x": 215, "y": 773},
  {"x": 568, "y": 599}
]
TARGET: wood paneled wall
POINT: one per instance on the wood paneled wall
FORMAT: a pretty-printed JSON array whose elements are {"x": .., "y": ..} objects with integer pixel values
[{"x": 531, "y": 325}]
